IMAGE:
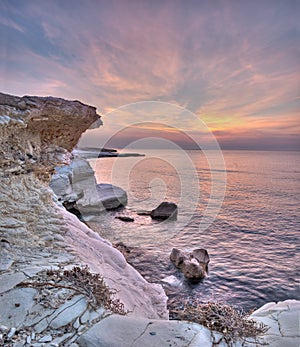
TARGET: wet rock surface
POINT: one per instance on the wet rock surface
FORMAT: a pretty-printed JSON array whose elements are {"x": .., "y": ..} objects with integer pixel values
[
  {"x": 165, "y": 210},
  {"x": 194, "y": 266}
]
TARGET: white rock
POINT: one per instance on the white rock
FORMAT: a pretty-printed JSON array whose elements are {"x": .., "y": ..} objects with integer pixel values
[
  {"x": 46, "y": 338},
  {"x": 172, "y": 280},
  {"x": 12, "y": 315},
  {"x": 142, "y": 332},
  {"x": 11, "y": 333},
  {"x": 77, "y": 183},
  {"x": 68, "y": 312},
  {"x": 139, "y": 297},
  {"x": 3, "y": 328}
]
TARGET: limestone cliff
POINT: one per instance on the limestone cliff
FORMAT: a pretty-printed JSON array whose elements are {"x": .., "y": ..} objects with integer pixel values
[{"x": 36, "y": 133}]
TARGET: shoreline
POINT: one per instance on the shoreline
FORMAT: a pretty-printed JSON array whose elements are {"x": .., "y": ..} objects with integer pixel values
[{"x": 41, "y": 240}]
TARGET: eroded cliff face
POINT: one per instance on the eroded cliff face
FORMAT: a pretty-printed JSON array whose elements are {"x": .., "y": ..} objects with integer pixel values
[{"x": 36, "y": 133}]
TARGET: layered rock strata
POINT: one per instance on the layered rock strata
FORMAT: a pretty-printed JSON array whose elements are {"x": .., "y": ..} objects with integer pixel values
[
  {"x": 37, "y": 235},
  {"x": 36, "y": 133}
]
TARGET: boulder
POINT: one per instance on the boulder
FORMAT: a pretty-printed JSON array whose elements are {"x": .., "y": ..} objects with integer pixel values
[
  {"x": 111, "y": 196},
  {"x": 194, "y": 266},
  {"x": 178, "y": 257},
  {"x": 165, "y": 210},
  {"x": 76, "y": 188}
]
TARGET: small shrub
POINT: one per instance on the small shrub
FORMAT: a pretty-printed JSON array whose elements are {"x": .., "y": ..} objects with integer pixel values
[
  {"x": 81, "y": 281},
  {"x": 233, "y": 324}
]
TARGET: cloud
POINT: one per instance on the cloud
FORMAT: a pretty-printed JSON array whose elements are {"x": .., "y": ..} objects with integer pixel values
[{"x": 234, "y": 64}]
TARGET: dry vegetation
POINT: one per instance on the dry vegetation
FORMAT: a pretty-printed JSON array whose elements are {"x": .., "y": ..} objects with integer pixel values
[
  {"x": 233, "y": 324},
  {"x": 80, "y": 280}
]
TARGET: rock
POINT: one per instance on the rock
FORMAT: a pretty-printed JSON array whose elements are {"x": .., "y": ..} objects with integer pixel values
[
  {"x": 122, "y": 247},
  {"x": 11, "y": 333},
  {"x": 165, "y": 210},
  {"x": 46, "y": 129},
  {"x": 171, "y": 280},
  {"x": 144, "y": 332},
  {"x": 46, "y": 338},
  {"x": 194, "y": 266},
  {"x": 192, "y": 270},
  {"x": 202, "y": 257},
  {"x": 143, "y": 213},
  {"x": 125, "y": 218},
  {"x": 3, "y": 329},
  {"x": 76, "y": 187},
  {"x": 10, "y": 280},
  {"x": 282, "y": 318},
  {"x": 68, "y": 312},
  {"x": 111, "y": 196},
  {"x": 177, "y": 257},
  {"x": 139, "y": 297},
  {"x": 5, "y": 262}
]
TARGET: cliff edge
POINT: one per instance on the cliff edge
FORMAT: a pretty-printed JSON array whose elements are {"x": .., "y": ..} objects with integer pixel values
[{"x": 37, "y": 236}]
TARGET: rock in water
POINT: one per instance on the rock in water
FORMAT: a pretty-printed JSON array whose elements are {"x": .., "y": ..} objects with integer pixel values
[
  {"x": 125, "y": 218},
  {"x": 165, "y": 210},
  {"x": 76, "y": 187},
  {"x": 178, "y": 257},
  {"x": 201, "y": 255},
  {"x": 194, "y": 266},
  {"x": 111, "y": 196}
]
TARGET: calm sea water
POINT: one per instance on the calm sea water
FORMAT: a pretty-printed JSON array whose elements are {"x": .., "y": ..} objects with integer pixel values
[{"x": 244, "y": 211}]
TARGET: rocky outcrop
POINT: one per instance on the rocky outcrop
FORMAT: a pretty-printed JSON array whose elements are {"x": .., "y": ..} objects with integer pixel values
[
  {"x": 76, "y": 188},
  {"x": 36, "y": 133},
  {"x": 165, "y": 210},
  {"x": 194, "y": 266},
  {"x": 111, "y": 196},
  {"x": 282, "y": 318},
  {"x": 37, "y": 235}
]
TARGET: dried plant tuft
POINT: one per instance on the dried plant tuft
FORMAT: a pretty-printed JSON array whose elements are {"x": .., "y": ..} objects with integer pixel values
[
  {"x": 233, "y": 324},
  {"x": 80, "y": 280}
]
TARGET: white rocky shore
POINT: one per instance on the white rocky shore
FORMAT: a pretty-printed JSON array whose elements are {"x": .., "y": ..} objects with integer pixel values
[
  {"x": 75, "y": 187},
  {"x": 36, "y": 235}
]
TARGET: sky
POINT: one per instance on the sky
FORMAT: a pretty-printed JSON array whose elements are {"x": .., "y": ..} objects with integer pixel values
[{"x": 228, "y": 68}]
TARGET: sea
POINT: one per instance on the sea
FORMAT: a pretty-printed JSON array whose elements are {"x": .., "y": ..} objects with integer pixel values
[{"x": 241, "y": 206}]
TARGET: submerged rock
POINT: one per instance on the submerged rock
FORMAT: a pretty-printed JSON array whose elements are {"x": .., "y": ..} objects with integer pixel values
[
  {"x": 125, "y": 218},
  {"x": 194, "y": 266},
  {"x": 165, "y": 210}
]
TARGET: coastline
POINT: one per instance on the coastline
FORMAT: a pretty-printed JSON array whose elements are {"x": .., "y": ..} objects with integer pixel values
[{"x": 37, "y": 235}]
